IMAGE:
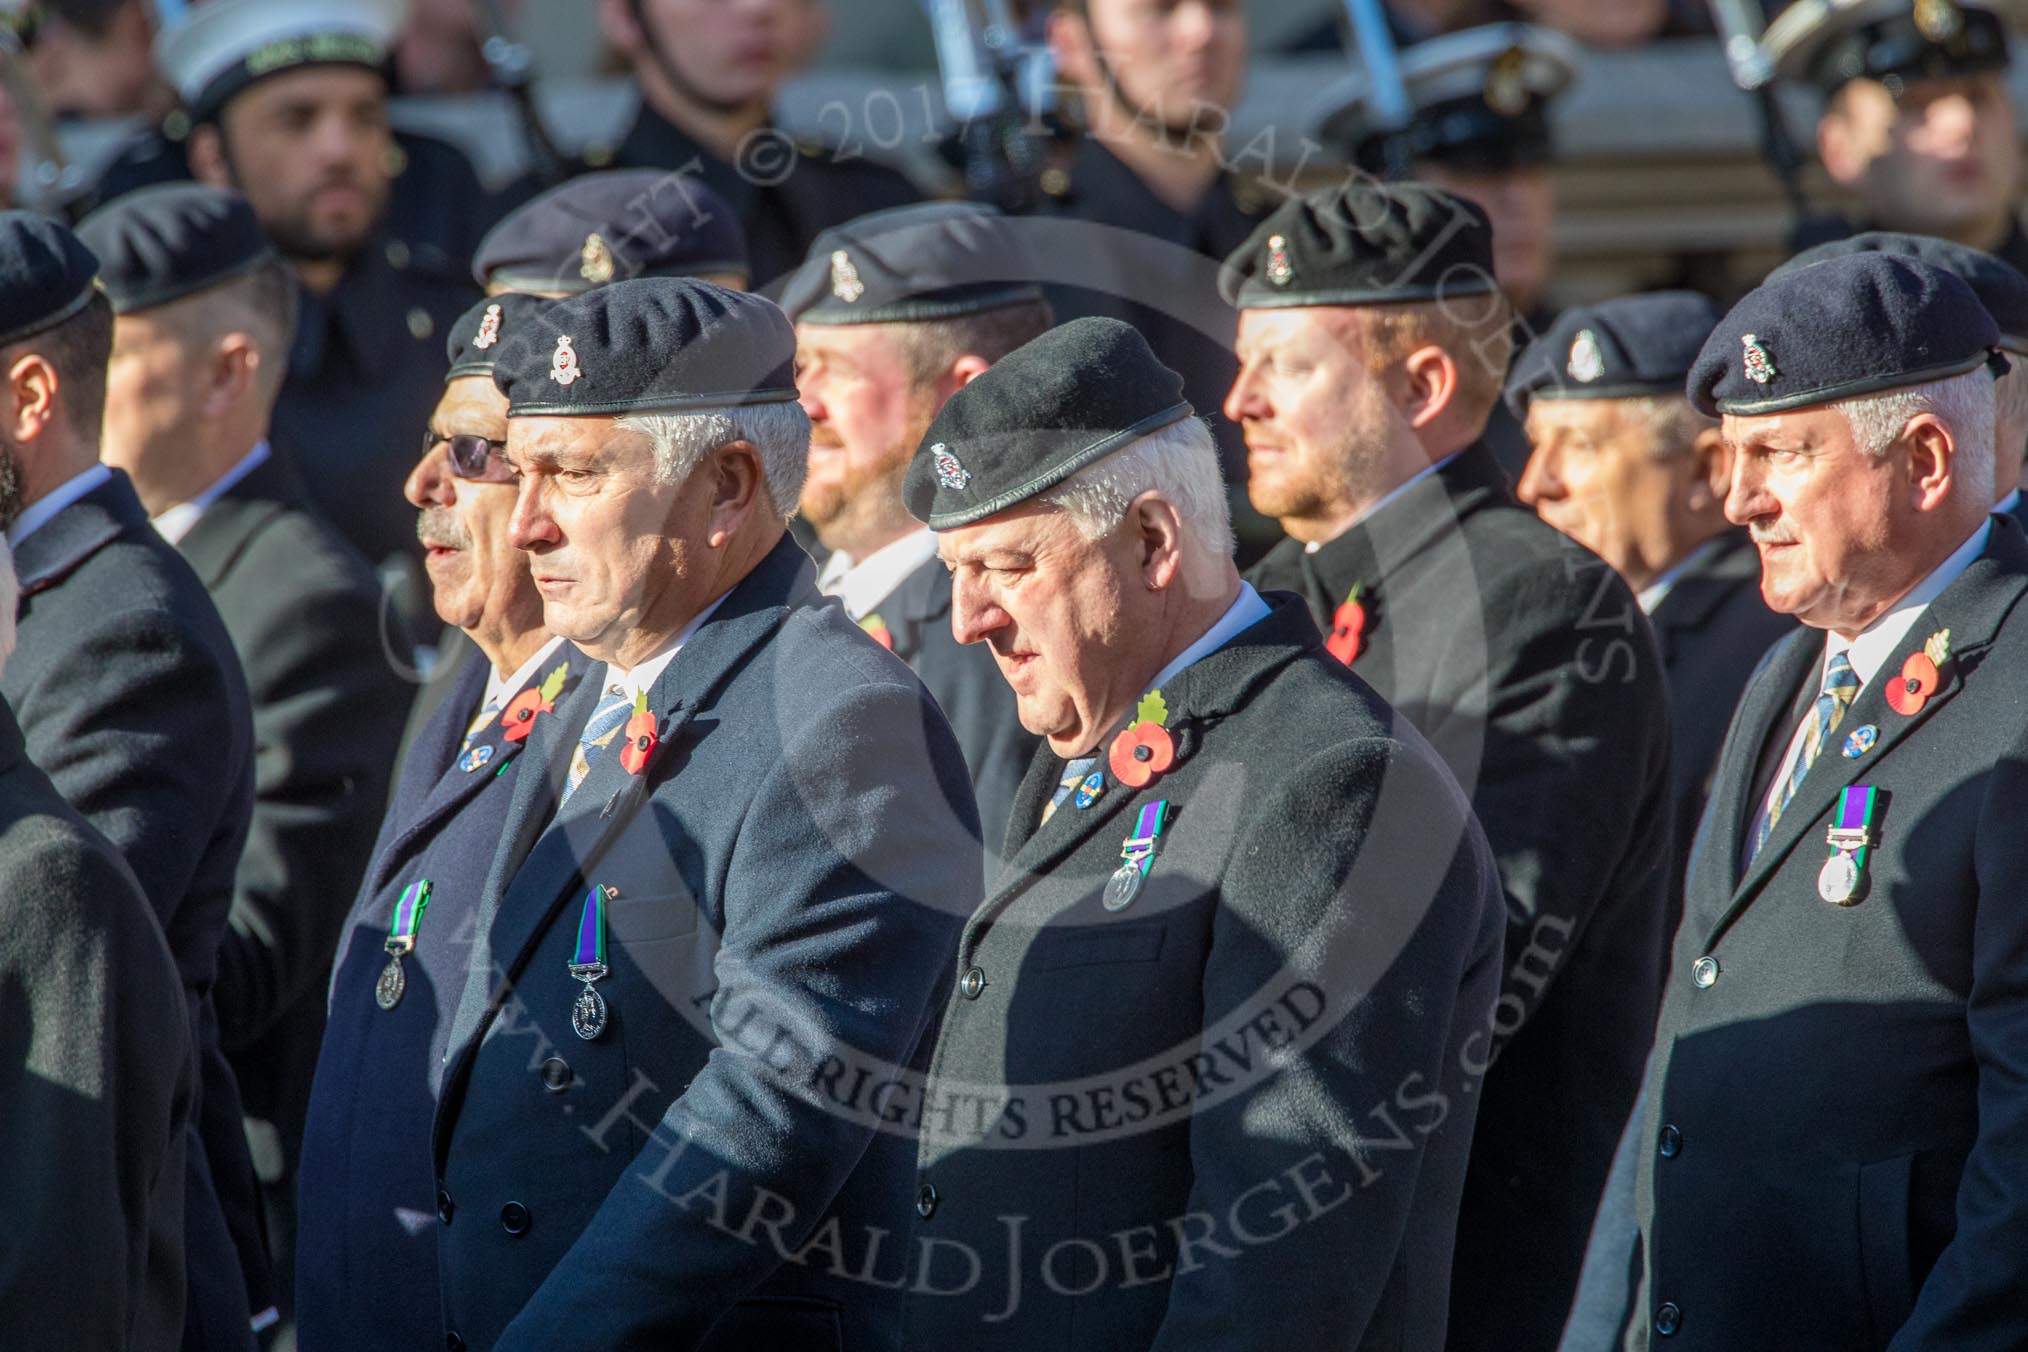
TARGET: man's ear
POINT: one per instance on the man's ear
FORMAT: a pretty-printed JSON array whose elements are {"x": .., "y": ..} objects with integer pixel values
[
  {"x": 1837, "y": 145},
  {"x": 206, "y": 149},
  {"x": 1071, "y": 46},
  {"x": 1711, "y": 470},
  {"x": 233, "y": 367},
  {"x": 32, "y": 387},
  {"x": 1932, "y": 459},
  {"x": 739, "y": 488},
  {"x": 1158, "y": 534},
  {"x": 1430, "y": 379}
]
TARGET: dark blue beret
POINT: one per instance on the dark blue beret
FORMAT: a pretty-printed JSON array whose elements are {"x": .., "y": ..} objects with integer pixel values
[
  {"x": 172, "y": 240},
  {"x": 1999, "y": 285},
  {"x": 480, "y": 333},
  {"x": 46, "y": 274},
  {"x": 933, "y": 260},
  {"x": 1040, "y": 414},
  {"x": 611, "y": 226},
  {"x": 1363, "y": 243},
  {"x": 654, "y": 344},
  {"x": 1847, "y": 327},
  {"x": 1619, "y": 349}
]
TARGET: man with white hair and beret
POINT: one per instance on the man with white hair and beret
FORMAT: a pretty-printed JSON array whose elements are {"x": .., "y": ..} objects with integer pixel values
[
  {"x": 1204, "y": 1079},
  {"x": 728, "y": 883},
  {"x": 1835, "y": 1110}
]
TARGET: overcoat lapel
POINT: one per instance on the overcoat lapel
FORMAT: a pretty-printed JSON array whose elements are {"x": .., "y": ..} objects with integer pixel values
[{"x": 76, "y": 533}]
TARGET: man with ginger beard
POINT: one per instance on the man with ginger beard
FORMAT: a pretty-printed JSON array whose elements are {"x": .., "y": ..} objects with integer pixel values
[
  {"x": 894, "y": 313},
  {"x": 289, "y": 105},
  {"x": 366, "y": 1279},
  {"x": 1372, "y": 343}
]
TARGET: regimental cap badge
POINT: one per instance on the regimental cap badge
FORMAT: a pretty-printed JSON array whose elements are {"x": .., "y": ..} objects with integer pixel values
[
  {"x": 1279, "y": 269},
  {"x": 845, "y": 283},
  {"x": 489, "y": 328},
  {"x": 1586, "y": 362},
  {"x": 1938, "y": 20},
  {"x": 595, "y": 260},
  {"x": 1506, "y": 87},
  {"x": 1759, "y": 362},
  {"x": 563, "y": 367},
  {"x": 950, "y": 473}
]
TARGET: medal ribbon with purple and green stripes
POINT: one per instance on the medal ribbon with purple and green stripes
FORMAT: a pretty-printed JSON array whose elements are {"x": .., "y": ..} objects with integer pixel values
[
  {"x": 591, "y": 932},
  {"x": 1140, "y": 847},
  {"x": 407, "y": 915},
  {"x": 1856, "y": 804}
]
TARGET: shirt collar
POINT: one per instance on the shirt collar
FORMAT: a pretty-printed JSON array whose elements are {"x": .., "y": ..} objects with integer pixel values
[
  {"x": 864, "y": 584},
  {"x": 1247, "y": 609},
  {"x": 40, "y": 512},
  {"x": 1652, "y": 595},
  {"x": 1877, "y": 643},
  {"x": 173, "y": 523},
  {"x": 1389, "y": 496},
  {"x": 499, "y": 688},
  {"x": 642, "y": 677},
  {"x": 2006, "y": 505}
]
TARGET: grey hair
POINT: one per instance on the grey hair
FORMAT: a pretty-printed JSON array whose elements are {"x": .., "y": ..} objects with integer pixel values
[
  {"x": 1179, "y": 461},
  {"x": 1965, "y": 404},
  {"x": 780, "y": 432},
  {"x": 1671, "y": 421}
]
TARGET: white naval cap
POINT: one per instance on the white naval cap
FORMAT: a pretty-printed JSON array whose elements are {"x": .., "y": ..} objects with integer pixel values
[
  {"x": 1828, "y": 42},
  {"x": 215, "y": 49}
]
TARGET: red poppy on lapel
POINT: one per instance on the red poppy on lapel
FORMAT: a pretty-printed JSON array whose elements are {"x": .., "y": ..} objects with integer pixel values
[
  {"x": 517, "y": 720},
  {"x": 1347, "y": 638},
  {"x": 641, "y": 739},
  {"x": 877, "y": 630},
  {"x": 1920, "y": 675},
  {"x": 1145, "y": 749}
]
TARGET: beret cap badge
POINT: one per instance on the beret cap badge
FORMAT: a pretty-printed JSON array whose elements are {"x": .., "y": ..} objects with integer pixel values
[
  {"x": 950, "y": 473},
  {"x": 595, "y": 260},
  {"x": 1279, "y": 270},
  {"x": 1586, "y": 362},
  {"x": 563, "y": 367},
  {"x": 845, "y": 283},
  {"x": 489, "y": 328},
  {"x": 1758, "y": 361}
]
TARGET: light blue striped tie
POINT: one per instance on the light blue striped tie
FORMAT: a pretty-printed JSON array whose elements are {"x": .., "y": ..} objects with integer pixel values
[
  {"x": 1074, "y": 773},
  {"x": 615, "y": 706},
  {"x": 1841, "y": 685}
]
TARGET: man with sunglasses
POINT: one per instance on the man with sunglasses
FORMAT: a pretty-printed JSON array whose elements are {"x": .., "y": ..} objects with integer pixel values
[
  {"x": 368, "y": 1280},
  {"x": 203, "y": 314}
]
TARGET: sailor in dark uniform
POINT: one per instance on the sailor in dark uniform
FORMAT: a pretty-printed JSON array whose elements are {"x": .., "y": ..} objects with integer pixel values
[
  {"x": 707, "y": 94},
  {"x": 289, "y": 105},
  {"x": 366, "y": 1277},
  {"x": 1479, "y": 128},
  {"x": 1372, "y": 343},
  {"x": 608, "y": 226},
  {"x": 894, "y": 313},
  {"x": 1154, "y": 89},
  {"x": 1247, "y": 919},
  {"x": 1917, "y": 119},
  {"x": 2003, "y": 291}
]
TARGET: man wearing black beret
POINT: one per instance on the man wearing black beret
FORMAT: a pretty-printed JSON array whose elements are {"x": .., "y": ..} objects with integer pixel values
[
  {"x": 1372, "y": 344},
  {"x": 204, "y": 311},
  {"x": 366, "y": 1281},
  {"x": 728, "y": 882},
  {"x": 609, "y": 226},
  {"x": 2003, "y": 291},
  {"x": 1627, "y": 468},
  {"x": 1852, "y": 937},
  {"x": 132, "y": 700},
  {"x": 1247, "y": 923},
  {"x": 894, "y": 313}
]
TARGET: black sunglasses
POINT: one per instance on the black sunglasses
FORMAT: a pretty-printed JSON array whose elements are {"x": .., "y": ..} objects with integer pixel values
[{"x": 472, "y": 457}]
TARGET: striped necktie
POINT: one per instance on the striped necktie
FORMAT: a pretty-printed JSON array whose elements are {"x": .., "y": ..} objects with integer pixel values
[
  {"x": 1074, "y": 773},
  {"x": 1841, "y": 685},
  {"x": 607, "y": 719}
]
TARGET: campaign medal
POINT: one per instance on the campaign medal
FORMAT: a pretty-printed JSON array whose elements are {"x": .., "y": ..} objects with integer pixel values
[
  {"x": 1137, "y": 856},
  {"x": 1145, "y": 750},
  {"x": 588, "y": 1014},
  {"x": 1842, "y": 880},
  {"x": 401, "y": 942}
]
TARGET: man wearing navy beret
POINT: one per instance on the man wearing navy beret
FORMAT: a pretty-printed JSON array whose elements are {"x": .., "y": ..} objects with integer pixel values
[
  {"x": 1835, "y": 1107},
  {"x": 894, "y": 313},
  {"x": 133, "y": 702},
  {"x": 610, "y": 226},
  {"x": 728, "y": 883},
  {"x": 1247, "y": 919},
  {"x": 1373, "y": 340}
]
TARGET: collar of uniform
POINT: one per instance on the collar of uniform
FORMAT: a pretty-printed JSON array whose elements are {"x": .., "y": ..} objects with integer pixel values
[
  {"x": 1105, "y": 189},
  {"x": 2005, "y": 506},
  {"x": 863, "y": 584},
  {"x": 1652, "y": 595},
  {"x": 1258, "y": 644},
  {"x": 364, "y": 311},
  {"x": 638, "y": 679},
  {"x": 1387, "y": 499},
  {"x": 654, "y": 142},
  {"x": 1878, "y": 641},
  {"x": 173, "y": 523},
  {"x": 44, "y": 510},
  {"x": 500, "y": 688},
  {"x": 1246, "y": 610},
  {"x": 85, "y": 525}
]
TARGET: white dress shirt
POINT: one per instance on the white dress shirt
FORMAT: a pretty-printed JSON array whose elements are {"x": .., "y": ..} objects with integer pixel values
[
  {"x": 499, "y": 688},
  {"x": 864, "y": 584},
  {"x": 173, "y": 523}
]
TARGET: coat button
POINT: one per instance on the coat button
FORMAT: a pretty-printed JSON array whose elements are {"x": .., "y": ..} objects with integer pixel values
[
  {"x": 1704, "y": 972},
  {"x": 514, "y": 1218},
  {"x": 1668, "y": 1319},
  {"x": 453, "y": 1343},
  {"x": 972, "y": 983},
  {"x": 926, "y": 1201},
  {"x": 1669, "y": 1141},
  {"x": 445, "y": 1207},
  {"x": 556, "y": 1075}
]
